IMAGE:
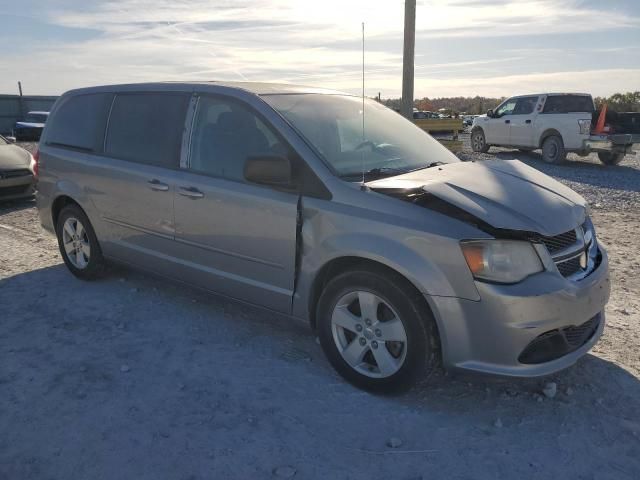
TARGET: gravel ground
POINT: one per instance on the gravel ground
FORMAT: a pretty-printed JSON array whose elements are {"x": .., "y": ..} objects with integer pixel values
[
  {"x": 136, "y": 377},
  {"x": 616, "y": 188}
]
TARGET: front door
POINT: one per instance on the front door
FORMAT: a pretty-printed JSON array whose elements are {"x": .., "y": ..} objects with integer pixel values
[
  {"x": 233, "y": 237},
  {"x": 521, "y": 133},
  {"x": 498, "y": 127}
]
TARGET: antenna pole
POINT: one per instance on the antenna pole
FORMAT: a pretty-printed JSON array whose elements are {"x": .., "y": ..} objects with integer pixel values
[{"x": 363, "y": 134}]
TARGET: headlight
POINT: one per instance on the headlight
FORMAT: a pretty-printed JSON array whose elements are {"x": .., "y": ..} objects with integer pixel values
[
  {"x": 501, "y": 261},
  {"x": 585, "y": 127}
]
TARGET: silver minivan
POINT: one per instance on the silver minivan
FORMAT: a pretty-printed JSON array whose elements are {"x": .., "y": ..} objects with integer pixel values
[{"x": 327, "y": 208}]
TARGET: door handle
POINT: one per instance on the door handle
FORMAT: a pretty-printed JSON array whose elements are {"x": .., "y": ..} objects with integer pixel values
[
  {"x": 157, "y": 185},
  {"x": 527, "y": 121},
  {"x": 507, "y": 121},
  {"x": 191, "y": 192}
]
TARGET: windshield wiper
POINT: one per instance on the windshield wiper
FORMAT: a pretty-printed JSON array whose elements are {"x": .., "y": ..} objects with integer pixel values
[
  {"x": 382, "y": 172},
  {"x": 378, "y": 172}
]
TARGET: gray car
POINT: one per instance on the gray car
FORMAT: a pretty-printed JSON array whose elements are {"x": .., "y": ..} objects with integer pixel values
[
  {"x": 17, "y": 175},
  {"x": 330, "y": 209}
]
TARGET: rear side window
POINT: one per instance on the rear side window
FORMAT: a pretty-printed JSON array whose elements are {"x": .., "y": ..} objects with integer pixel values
[
  {"x": 568, "y": 104},
  {"x": 79, "y": 122},
  {"x": 147, "y": 128}
]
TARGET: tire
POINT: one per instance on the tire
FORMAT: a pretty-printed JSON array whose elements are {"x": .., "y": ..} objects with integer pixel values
[
  {"x": 78, "y": 244},
  {"x": 553, "y": 150},
  {"x": 610, "y": 158},
  {"x": 377, "y": 365},
  {"x": 478, "y": 141}
]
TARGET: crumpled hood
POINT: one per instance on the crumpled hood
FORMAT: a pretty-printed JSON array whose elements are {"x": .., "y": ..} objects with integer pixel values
[
  {"x": 506, "y": 194},
  {"x": 13, "y": 157}
]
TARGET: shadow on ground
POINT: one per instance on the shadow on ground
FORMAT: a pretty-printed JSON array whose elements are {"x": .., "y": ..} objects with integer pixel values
[
  {"x": 7, "y": 206},
  {"x": 134, "y": 377}
]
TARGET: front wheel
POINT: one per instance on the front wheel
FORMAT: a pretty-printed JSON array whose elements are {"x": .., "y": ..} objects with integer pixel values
[
  {"x": 479, "y": 141},
  {"x": 78, "y": 244},
  {"x": 376, "y": 331},
  {"x": 610, "y": 158}
]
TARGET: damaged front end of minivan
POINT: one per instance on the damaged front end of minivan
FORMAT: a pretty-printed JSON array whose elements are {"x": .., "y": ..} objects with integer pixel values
[{"x": 542, "y": 277}]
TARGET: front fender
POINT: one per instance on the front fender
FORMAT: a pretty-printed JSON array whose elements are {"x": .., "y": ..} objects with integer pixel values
[{"x": 433, "y": 264}]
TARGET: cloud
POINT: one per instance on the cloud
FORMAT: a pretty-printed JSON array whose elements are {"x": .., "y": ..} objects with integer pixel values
[{"x": 319, "y": 43}]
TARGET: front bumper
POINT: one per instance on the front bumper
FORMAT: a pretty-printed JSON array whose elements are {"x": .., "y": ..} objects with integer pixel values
[
  {"x": 17, "y": 187},
  {"x": 621, "y": 143},
  {"x": 490, "y": 335}
]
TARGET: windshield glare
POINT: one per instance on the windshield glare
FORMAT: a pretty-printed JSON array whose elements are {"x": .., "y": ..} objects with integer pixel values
[{"x": 332, "y": 124}]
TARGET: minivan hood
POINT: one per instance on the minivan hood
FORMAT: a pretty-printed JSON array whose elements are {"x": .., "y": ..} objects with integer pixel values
[{"x": 505, "y": 194}]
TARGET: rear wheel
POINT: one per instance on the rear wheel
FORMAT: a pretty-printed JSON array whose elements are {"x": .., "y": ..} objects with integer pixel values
[
  {"x": 375, "y": 330},
  {"x": 78, "y": 244},
  {"x": 610, "y": 158},
  {"x": 478, "y": 141},
  {"x": 553, "y": 150}
]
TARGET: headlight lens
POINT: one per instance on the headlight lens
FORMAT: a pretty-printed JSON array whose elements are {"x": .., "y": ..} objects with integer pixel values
[{"x": 501, "y": 261}]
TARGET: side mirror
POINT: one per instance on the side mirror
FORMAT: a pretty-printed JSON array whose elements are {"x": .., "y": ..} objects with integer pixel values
[
  {"x": 273, "y": 170},
  {"x": 490, "y": 113},
  {"x": 10, "y": 139}
]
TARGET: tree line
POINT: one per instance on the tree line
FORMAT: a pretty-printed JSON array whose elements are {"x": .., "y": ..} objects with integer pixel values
[{"x": 619, "y": 102}]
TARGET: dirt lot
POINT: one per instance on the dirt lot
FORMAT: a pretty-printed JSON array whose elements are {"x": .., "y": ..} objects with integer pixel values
[{"x": 133, "y": 377}]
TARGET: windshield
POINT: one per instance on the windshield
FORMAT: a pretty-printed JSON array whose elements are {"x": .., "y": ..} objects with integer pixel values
[
  {"x": 36, "y": 118},
  {"x": 332, "y": 124}
]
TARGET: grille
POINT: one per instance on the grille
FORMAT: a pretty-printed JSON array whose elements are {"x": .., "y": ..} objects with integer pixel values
[
  {"x": 557, "y": 343},
  {"x": 569, "y": 267},
  {"x": 559, "y": 242},
  {"x": 15, "y": 173},
  {"x": 578, "y": 336}
]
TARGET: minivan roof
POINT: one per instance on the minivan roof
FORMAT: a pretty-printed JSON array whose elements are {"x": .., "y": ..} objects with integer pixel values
[{"x": 258, "y": 88}]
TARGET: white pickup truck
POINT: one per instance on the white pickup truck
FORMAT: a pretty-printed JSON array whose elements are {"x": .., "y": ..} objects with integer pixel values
[{"x": 557, "y": 123}]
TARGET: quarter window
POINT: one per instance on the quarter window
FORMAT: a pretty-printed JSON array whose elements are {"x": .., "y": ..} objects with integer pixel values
[
  {"x": 147, "y": 128},
  {"x": 79, "y": 122},
  {"x": 225, "y": 134},
  {"x": 568, "y": 104}
]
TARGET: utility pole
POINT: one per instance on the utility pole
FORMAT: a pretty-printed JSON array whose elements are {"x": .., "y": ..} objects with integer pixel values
[
  {"x": 408, "y": 58},
  {"x": 21, "y": 101}
]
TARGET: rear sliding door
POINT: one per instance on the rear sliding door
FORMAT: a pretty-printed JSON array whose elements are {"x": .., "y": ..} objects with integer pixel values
[{"x": 133, "y": 183}]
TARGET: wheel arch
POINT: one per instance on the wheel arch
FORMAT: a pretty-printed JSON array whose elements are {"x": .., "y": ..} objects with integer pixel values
[
  {"x": 59, "y": 203},
  {"x": 340, "y": 265},
  {"x": 549, "y": 132},
  {"x": 476, "y": 129}
]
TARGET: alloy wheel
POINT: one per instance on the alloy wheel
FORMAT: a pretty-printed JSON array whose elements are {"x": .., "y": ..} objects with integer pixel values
[
  {"x": 369, "y": 335},
  {"x": 76, "y": 243},
  {"x": 478, "y": 142}
]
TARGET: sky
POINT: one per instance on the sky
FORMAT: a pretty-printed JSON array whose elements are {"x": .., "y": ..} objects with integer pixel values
[{"x": 463, "y": 47}]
